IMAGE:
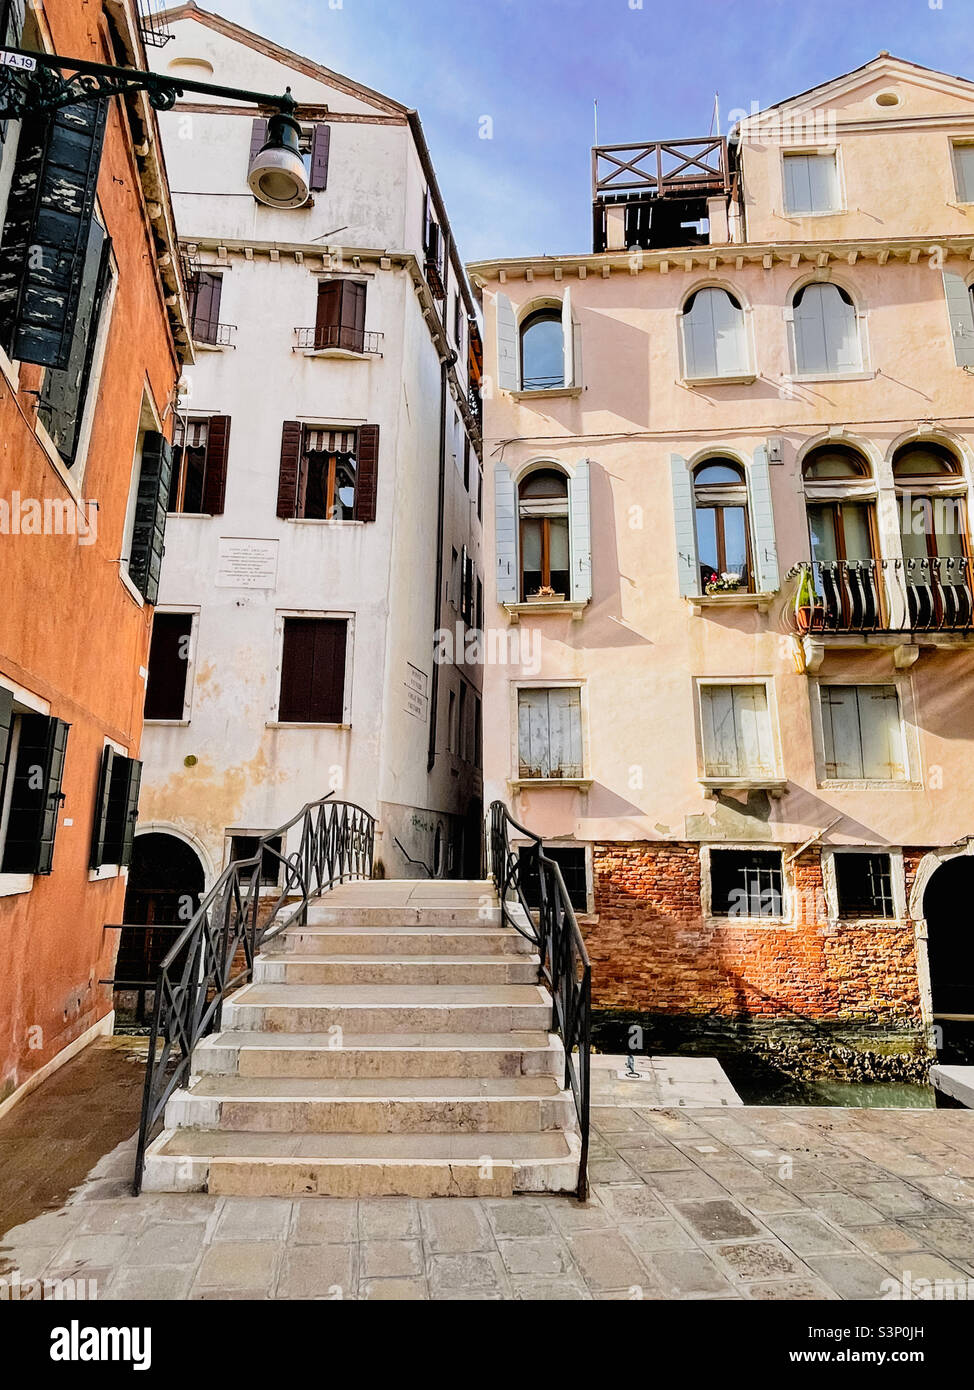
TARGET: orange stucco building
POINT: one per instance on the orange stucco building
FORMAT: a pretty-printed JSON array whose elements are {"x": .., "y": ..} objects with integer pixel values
[{"x": 83, "y": 460}]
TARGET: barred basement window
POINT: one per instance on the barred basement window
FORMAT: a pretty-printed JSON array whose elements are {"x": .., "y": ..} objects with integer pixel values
[
  {"x": 864, "y": 886},
  {"x": 746, "y": 883},
  {"x": 570, "y": 860},
  {"x": 246, "y": 847}
]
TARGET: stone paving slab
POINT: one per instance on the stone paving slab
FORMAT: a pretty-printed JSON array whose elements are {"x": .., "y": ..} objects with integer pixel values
[{"x": 770, "y": 1203}]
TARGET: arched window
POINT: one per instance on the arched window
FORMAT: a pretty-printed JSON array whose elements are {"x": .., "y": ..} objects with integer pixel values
[
  {"x": 826, "y": 331},
  {"x": 933, "y": 516},
  {"x": 543, "y": 513},
  {"x": 542, "y": 351},
  {"x": 714, "y": 338},
  {"x": 720, "y": 503},
  {"x": 841, "y": 525}
]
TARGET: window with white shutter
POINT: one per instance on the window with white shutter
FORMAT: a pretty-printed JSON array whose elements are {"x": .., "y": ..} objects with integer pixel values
[
  {"x": 964, "y": 172},
  {"x": 736, "y": 728},
  {"x": 714, "y": 336},
  {"x": 811, "y": 183},
  {"x": 826, "y": 331},
  {"x": 863, "y": 733},
  {"x": 549, "y": 734}
]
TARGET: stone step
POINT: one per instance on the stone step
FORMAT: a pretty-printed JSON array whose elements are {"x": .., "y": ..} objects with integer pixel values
[
  {"x": 232, "y": 1163},
  {"x": 413, "y": 970},
  {"x": 379, "y": 1055},
  {"x": 399, "y": 941},
  {"x": 481, "y": 914},
  {"x": 287, "y": 1105},
  {"x": 388, "y": 1008}
]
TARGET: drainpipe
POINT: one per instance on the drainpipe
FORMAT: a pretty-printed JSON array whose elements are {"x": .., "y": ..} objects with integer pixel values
[{"x": 440, "y": 508}]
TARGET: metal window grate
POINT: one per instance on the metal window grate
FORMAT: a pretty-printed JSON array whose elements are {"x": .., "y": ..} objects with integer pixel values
[
  {"x": 864, "y": 885},
  {"x": 746, "y": 883}
]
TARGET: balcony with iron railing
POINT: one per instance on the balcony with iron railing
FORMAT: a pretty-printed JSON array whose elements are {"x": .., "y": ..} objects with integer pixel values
[
  {"x": 211, "y": 334},
  {"x": 339, "y": 338},
  {"x": 903, "y": 603}
]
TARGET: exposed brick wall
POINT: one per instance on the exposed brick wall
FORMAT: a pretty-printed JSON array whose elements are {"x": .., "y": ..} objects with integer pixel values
[{"x": 652, "y": 951}]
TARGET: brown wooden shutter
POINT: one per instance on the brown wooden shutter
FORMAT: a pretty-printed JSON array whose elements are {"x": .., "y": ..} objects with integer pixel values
[
  {"x": 368, "y": 473},
  {"x": 165, "y": 691},
  {"x": 217, "y": 447},
  {"x": 320, "y": 149},
  {"x": 258, "y": 136},
  {"x": 328, "y": 314},
  {"x": 287, "y": 483},
  {"x": 313, "y": 671},
  {"x": 206, "y": 307},
  {"x": 353, "y": 316}
]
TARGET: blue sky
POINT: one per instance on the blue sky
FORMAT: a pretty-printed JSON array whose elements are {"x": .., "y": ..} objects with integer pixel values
[{"x": 534, "y": 68}]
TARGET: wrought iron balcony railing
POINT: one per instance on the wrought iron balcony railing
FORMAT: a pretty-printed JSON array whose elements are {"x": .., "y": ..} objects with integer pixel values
[
  {"x": 341, "y": 337},
  {"x": 859, "y": 596},
  {"x": 206, "y": 333}
]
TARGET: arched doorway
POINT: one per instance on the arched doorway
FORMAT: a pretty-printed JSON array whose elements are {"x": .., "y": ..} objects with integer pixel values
[
  {"x": 950, "y": 953},
  {"x": 165, "y": 884}
]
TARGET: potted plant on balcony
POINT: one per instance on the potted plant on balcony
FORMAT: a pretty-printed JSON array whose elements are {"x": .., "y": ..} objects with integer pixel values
[
  {"x": 723, "y": 584},
  {"x": 809, "y": 608},
  {"x": 545, "y": 594}
]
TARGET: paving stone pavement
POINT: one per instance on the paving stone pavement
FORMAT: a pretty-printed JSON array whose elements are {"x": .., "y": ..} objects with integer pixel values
[{"x": 723, "y": 1203}]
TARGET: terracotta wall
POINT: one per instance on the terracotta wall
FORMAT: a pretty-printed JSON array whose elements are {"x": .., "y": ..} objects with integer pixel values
[{"x": 71, "y": 633}]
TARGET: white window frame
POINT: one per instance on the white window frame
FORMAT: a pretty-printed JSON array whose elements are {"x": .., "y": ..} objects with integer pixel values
[
  {"x": 13, "y": 884},
  {"x": 747, "y": 372},
  {"x": 777, "y": 781},
  {"x": 565, "y": 683},
  {"x": 815, "y": 152},
  {"x": 908, "y": 729},
  {"x": 274, "y": 721},
  {"x": 192, "y": 611},
  {"x": 746, "y": 847},
  {"x": 897, "y": 881}
]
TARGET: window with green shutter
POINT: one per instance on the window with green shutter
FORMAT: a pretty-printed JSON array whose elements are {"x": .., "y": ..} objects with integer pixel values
[
  {"x": 116, "y": 809},
  {"x": 149, "y": 532},
  {"x": 35, "y": 795}
]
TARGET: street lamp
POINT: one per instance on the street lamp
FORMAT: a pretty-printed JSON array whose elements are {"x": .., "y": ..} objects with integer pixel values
[{"x": 34, "y": 83}]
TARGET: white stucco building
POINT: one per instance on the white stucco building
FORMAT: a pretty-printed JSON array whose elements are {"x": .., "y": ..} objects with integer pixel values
[{"x": 324, "y": 519}]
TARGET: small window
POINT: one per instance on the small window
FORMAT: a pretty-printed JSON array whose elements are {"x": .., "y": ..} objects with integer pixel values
[
  {"x": 248, "y": 846},
  {"x": 746, "y": 883},
  {"x": 199, "y": 465},
  {"x": 926, "y": 460},
  {"x": 571, "y": 861},
  {"x": 736, "y": 727},
  {"x": 864, "y": 886},
  {"x": 542, "y": 351},
  {"x": 32, "y": 750},
  {"x": 714, "y": 337},
  {"x": 723, "y": 546},
  {"x": 313, "y": 661},
  {"x": 204, "y": 306},
  {"x": 811, "y": 183},
  {"x": 340, "y": 317},
  {"x": 964, "y": 171},
  {"x": 544, "y": 535},
  {"x": 863, "y": 733},
  {"x": 550, "y": 733},
  {"x": 826, "y": 331},
  {"x": 329, "y": 475},
  {"x": 169, "y": 653}
]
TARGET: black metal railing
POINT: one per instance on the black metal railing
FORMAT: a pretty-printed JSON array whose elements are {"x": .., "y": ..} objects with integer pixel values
[
  {"x": 211, "y": 333},
  {"x": 565, "y": 968},
  {"x": 203, "y": 965},
  {"x": 917, "y": 595},
  {"x": 336, "y": 335}
]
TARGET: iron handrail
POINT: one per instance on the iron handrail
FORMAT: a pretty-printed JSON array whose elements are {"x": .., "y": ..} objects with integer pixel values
[
  {"x": 565, "y": 966},
  {"x": 337, "y": 843}
]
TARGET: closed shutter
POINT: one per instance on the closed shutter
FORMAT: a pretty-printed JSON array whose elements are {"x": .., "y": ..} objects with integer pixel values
[
  {"x": 287, "y": 482},
  {"x": 205, "y": 306},
  {"x": 328, "y": 314},
  {"x": 258, "y": 137},
  {"x": 313, "y": 671},
  {"x": 550, "y": 733},
  {"x": 320, "y": 150},
  {"x": 505, "y": 535},
  {"x": 811, "y": 354},
  {"x": 99, "y": 829},
  {"x": 217, "y": 449},
  {"x": 762, "y": 522},
  {"x": 6, "y": 719},
  {"x": 149, "y": 533},
  {"x": 367, "y": 482},
  {"x": 45, "y": 239},
  {"x": 130, "y": 815},
  {"x": 353, "y": 316},
  {"x": 36, "y": 795},
  {"x": 123, "y": 778},
  {"x": 507, "y": 378},
  {"x": 730, "y": 345},
  {"x": 964, "y": 164},
  {"x": 960, "y": 312},
  {"x": 720, "y": 751},
  {"x": 811, "y": 183},
  {"x": 736, "y": 731},
  {"x": 753, "y": 731},
  {"x": 826, "y": 331},
  {"x": 883, "y": 757},
  {"x": 687, "y": 568},
  {"x": 580, "y": 521},
  {"x": 568, "y": 339}
]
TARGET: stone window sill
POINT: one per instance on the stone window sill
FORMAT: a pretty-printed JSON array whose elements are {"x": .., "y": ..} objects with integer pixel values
[
  {"x": 279, "y": 724},
  {"x": 834, "y": 376},
  {"x": 165, "y": 723},
  {"x": 11, "y": 884},
  {"x": 732, "y": 379},
  {"x": 774, "y": 785},
  {"x": 345, "y": 354},
  {"x": 573, "y": 607},
  {"x": 525, "y": 783},
  {"x": 552, "y": 393},
  {"x": 739, "y": 599}
]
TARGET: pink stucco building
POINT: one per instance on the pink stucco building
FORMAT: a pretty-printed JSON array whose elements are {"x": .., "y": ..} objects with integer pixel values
[{"x": 729, "y": 456}]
